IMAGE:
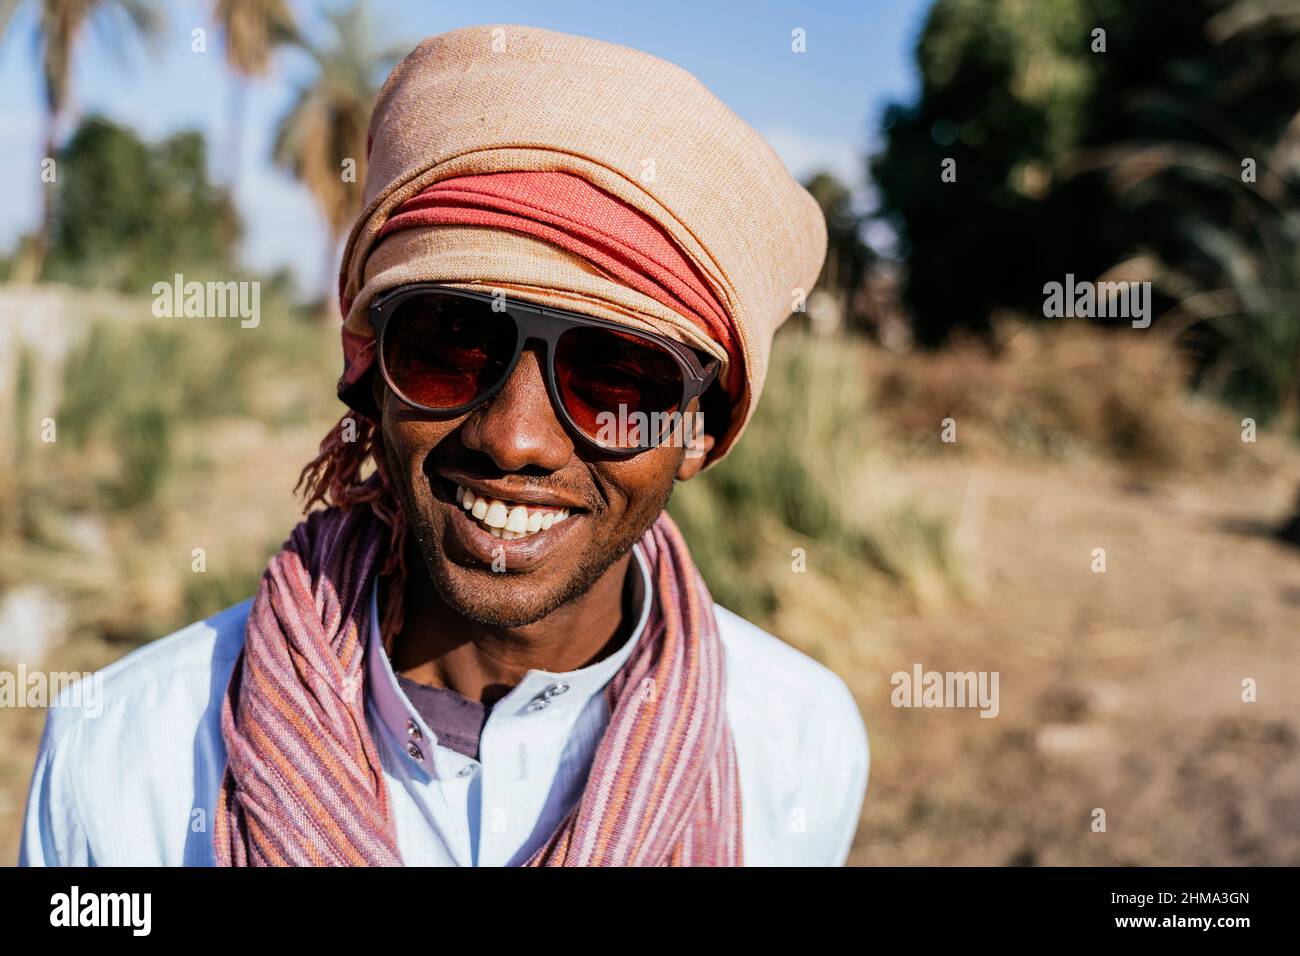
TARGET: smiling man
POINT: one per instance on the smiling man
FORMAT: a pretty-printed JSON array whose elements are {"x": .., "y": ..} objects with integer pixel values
[{"x": 491, "y": 646}]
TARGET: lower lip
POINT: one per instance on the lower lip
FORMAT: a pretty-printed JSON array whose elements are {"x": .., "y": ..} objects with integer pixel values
[{"x": 520, "y": 553}]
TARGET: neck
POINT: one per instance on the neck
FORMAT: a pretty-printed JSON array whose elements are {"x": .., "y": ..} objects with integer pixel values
[{"x": 440, "y": 647}]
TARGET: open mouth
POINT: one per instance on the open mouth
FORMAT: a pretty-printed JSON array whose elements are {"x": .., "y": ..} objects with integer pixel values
[{"x": 506, "y": 519}]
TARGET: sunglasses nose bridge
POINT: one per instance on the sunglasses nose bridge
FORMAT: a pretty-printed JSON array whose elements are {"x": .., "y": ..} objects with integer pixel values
[
  {"x": 540, "y": 340},
  {"x": 516, "y": 427},
  {"x": 545, "y": 350},
  {"x": 545, "y": 357}
]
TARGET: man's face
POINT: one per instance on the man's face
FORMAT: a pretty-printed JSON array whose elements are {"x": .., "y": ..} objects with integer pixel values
[{"x": 514, "y": 448}]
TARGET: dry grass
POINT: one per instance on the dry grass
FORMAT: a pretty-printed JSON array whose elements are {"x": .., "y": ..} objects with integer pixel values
[{"x": 1066, "y": 392}]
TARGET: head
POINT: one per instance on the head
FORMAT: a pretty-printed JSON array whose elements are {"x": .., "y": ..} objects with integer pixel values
[{"x": 471, "y": 185}]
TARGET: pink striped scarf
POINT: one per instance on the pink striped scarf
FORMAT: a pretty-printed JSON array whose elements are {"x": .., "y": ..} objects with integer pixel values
[{"x": 304, "y": 785}]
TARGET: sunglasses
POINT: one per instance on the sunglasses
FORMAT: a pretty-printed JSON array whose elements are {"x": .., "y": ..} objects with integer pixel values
[{"x": 446, "y": 351}]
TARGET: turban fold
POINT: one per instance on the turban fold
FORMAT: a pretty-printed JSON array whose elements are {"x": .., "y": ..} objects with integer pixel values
[{"x": 583, "y": 175}]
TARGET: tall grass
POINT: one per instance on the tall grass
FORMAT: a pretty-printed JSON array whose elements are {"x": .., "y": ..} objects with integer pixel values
[
  {"x": 103, "y": 513},
  {"x": 786, "y": 500}
]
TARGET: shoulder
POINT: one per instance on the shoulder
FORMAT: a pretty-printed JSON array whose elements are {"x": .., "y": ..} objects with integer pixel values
[
  {"x": 172, "y": 677},
  {"x": 765, "y": 664},
  {"x": 202, "y": 646},
  {"x": 801, "y": 744},
  {"x": 132, "y": 740},
  {"x": 153, "y": 680}
]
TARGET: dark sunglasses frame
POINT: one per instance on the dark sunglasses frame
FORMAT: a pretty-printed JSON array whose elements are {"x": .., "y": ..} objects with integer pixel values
[{"x": 537, "y": 323}]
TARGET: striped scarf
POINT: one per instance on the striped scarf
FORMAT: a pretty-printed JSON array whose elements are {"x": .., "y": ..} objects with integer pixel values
[{"x": 304, "y": 784}]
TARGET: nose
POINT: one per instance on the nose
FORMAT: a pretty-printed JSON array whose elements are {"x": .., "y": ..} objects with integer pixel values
[{"x": 517, "y": 428}]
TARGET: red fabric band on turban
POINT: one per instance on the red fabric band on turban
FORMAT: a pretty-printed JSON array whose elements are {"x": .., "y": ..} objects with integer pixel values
[{"x": 569, "y": 212}]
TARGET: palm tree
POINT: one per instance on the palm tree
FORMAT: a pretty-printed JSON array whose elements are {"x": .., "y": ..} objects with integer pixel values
[
  {"x": 328, "y": 121},
  {"x": 252, "y": 29},
  {"x": 58, "y": 28}
]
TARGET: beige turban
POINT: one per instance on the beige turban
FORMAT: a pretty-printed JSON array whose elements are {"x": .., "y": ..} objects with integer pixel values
[{"x": 496, "y": 99}]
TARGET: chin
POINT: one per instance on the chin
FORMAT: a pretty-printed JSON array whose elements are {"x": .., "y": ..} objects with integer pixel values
[{"x": 491, "y": 599}]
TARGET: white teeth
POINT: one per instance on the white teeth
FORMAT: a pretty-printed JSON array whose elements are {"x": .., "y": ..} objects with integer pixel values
[
  {"x": 496, "y": 516},
  {"x": 517, "y": 520},
  {"x": 505, "y": 520}
]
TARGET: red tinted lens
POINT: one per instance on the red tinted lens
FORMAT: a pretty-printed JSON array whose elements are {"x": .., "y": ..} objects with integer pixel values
[
  {"x": 612, "y": 384},
  {"x": 443, "y": 351}
]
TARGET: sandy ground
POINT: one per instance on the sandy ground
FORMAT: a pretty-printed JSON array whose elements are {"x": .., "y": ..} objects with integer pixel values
[{"x": 1119, "y": 691}]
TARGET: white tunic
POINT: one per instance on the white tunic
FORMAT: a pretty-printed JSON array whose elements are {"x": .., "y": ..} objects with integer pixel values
[{"x": 134, "y": 781}]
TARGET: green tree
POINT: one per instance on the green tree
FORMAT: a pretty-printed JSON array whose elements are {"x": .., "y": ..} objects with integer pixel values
[
  {"x": 1071, "y": 159},
  {"x": 130, "y": 214},
  {"x": 1002, "y": 86},
  {"x": 59, "y": 26}
]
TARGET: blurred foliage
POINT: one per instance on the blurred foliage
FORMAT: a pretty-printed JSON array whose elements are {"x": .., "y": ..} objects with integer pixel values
[
  {"x": 1074, "y": 161},
  {"x": 251, "y": 32},
  {"x": 252, "y": 29},
  {"x": 1065, "y": 392},
  {"x": 173, "y": 370},
  {"x": 790, "y": 483},
  {"x": 847, "y": 254},
  {"x": 56, "y": 33},
  {"x": 168, "y": 433},
  {"x": 128, "y": 213},
  {"x": 160, "y": 379},
  {"x": 326, "y": 128}
]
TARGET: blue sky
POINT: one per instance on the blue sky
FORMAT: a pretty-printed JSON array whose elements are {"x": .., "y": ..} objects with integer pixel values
[{"x": 817, "y": 109}]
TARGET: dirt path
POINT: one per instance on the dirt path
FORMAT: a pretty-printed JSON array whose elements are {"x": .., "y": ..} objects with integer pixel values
[{"x": 1119, "y": 690}]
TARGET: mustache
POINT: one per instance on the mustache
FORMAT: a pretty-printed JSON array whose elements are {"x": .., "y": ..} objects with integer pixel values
[{"x": 530, "y": 478}]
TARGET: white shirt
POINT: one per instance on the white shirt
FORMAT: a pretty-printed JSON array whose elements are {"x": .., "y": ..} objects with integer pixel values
[{"x": 134, "y": 782}]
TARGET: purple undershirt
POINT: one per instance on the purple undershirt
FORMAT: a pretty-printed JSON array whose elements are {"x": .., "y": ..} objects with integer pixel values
[{"x": 458, "y": 721}]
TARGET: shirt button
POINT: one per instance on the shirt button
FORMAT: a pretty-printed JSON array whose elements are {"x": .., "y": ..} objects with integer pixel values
[
  {"x": 541, "y": 703},
  {"x": 413, "y": 730},
  {"x": 415, "y": 752},
  {"x": 555, "y": 690},
  {"x": 466, "y": 770}
]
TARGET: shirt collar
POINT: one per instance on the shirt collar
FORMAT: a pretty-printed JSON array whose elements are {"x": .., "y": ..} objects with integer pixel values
[{"x": 562, "y": 695}]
